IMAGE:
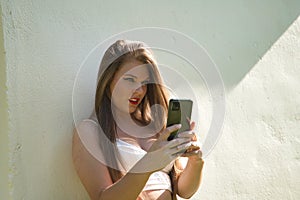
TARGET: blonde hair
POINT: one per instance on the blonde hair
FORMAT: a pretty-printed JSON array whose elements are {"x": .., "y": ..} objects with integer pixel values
[{"x": 115, "y": 56}]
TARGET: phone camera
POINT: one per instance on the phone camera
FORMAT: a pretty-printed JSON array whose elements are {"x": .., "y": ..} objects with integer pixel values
[{"x": 176, "y": 105}]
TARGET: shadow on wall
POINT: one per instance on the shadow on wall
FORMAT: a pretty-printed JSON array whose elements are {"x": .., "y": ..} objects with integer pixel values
[{"x": 237, "y": 45}]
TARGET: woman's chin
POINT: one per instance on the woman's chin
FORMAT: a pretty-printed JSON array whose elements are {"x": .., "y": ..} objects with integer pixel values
[{"x": 132, "y": 110}]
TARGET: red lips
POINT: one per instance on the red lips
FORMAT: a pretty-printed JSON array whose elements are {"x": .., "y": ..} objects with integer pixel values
[{"x": 134, "y": 101}]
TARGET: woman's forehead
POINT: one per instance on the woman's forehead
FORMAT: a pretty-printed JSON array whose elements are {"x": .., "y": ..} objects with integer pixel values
[{"x": 134, "y": 68}]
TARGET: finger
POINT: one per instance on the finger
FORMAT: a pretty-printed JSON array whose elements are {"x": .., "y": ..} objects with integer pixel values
[
  {"x": 192, "y": 125},
  {"x": 188, "y": 134},
  {"x": 184, "y": 146},
  {"x": 177, "y": 142},
  {"x": 197, "y": 153},
  {"x": 194, "y": 137},
  {"x": 192, "y": 148},
  {"x": 189, "y": 154},
  {"x": 166, "y": 133},
  {"x": 179, "y": 150}
]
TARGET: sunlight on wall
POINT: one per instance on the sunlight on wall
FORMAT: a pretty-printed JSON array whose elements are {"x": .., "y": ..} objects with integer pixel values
[{"x": 258, "y": 155}]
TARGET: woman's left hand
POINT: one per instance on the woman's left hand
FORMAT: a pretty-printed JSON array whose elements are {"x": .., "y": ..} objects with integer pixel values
[{"x": 193, "y": 152}]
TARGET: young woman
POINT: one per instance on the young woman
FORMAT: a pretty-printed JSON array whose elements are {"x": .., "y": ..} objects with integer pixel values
[{"x": 122, "y": 151}]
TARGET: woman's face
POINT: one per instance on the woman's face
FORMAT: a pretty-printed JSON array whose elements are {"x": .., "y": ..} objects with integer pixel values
[{"x": 128, "y": 87}]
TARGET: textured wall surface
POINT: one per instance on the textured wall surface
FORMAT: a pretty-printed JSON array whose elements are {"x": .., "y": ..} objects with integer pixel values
[
  {"x": 45, "y": 42},
  {"x": 3, "y": 121},
  {"x": 258, "y": 155}
]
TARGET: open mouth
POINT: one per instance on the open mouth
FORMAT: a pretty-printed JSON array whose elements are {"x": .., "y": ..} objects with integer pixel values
[{"x": 134, "y": 101}]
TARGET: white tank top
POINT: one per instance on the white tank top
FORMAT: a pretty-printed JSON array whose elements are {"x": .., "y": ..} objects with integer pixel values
[{"x": 131, "y": 154}]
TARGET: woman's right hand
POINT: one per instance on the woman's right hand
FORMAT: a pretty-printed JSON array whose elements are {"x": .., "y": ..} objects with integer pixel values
[{"x": 162, "y": 152}]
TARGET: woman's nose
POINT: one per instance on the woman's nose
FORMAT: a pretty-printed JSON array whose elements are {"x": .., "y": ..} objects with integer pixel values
[{"x": 140, "y": 88}]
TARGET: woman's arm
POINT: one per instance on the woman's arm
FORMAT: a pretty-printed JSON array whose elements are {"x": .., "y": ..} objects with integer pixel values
[
  {"x": 96, "y": 179},
  {"x": 95, "y": 175},
  {"x": 189, "y": 179}
]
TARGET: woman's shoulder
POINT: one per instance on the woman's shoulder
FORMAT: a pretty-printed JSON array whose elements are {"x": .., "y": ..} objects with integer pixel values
[
  {"x": 87, "y": 136},
  {"x": 87, "y": 130},
  {"x": 87, "y": 124}
]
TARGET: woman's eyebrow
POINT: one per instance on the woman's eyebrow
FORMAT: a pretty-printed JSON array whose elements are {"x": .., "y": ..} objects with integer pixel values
[
  {"x": 130, "y": 75},
  {"x": 133, "y": 76}
]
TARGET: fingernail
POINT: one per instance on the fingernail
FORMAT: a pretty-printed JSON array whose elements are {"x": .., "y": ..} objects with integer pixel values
[{"x": 178, "y": 126}]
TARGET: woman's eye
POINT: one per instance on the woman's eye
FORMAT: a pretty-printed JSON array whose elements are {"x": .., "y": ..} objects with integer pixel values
[
  {"x": 145, "y": 82},
  {"x": 129, "y": 79}
]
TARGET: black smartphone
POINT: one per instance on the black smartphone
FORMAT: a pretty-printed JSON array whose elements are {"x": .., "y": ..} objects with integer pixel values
[{"x": 179, "y": 112}]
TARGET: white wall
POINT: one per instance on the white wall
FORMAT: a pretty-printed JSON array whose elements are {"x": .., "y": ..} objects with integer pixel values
[
  {"x": 258, "y": 154},
  {"x": 3, "y": 121},
  {"x": 45, "y": 42}
]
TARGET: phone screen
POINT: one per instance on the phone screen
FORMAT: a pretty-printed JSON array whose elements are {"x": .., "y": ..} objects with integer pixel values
[{"x": 179, "y": 112}]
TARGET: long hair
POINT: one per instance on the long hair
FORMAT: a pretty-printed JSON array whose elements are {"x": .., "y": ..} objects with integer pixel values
[{"x": 118, "y": 53}]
